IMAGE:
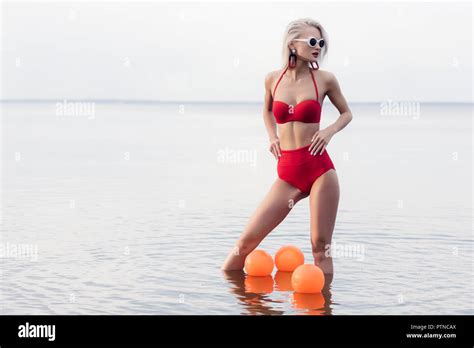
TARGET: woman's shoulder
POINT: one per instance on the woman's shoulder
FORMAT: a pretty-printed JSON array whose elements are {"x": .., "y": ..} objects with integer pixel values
[
  {"x": 329, "y": 79},
  {"x": 322, "y": 72},
  {"x": 326, "y": 75},
  {"x": 273, "y": 74},
  {"x": 271, "y": 77}
]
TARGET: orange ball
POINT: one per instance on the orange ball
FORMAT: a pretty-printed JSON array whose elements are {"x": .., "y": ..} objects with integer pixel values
[
  {"x": 259, "y": 263},
  {"x": 308, "y": 279},
  {"x": 288, "y": 257}
]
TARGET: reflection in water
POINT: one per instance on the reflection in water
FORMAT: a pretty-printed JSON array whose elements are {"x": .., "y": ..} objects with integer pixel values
[
  {"x": 251, "y": 292},
  {"x": 259, "y": 285},
  {"x": 314, "y": 303},
  {"x": 252, "y": 303},
  {"x": 283, "y": 281}
]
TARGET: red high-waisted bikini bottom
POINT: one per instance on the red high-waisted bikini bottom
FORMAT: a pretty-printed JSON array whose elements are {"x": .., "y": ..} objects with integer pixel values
[{"x": 301, "y": 169}]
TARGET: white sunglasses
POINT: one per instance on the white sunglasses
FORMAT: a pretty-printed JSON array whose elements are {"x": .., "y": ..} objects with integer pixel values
[{"x": 312, "y": 41}]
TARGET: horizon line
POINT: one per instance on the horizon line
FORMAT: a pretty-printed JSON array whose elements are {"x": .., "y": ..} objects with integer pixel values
[{"x": 154, "y": 101}]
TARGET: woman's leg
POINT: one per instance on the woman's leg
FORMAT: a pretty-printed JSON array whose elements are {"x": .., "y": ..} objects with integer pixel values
[
  {"x": 324, "y": 200},
  {"x": 272, "y": 210}
]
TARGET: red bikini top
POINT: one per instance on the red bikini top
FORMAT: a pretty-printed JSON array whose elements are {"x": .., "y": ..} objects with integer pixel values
[{"x": 307, "y": 111}]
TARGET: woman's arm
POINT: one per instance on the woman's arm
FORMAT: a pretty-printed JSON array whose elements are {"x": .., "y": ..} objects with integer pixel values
[
  {"x": 270, "y": 123},
  {"x": 268, "y": 119},
  {"x": 321, "y": 138},
  {"x": 337, "y": 98}
]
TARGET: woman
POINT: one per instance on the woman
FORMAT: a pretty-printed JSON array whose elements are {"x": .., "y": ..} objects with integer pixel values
[{"x": 304, "y": 166}]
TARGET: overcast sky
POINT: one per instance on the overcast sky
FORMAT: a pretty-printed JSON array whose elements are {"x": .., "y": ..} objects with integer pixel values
[{"x": 222, "y": 51}]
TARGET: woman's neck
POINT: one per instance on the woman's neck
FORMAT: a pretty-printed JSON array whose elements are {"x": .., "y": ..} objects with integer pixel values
[{"x": 299, "y": 70}]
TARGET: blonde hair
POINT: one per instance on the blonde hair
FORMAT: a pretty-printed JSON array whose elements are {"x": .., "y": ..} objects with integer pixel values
[{"x": 293, "y": 31}]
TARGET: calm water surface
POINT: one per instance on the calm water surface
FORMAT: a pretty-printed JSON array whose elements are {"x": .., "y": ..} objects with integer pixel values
[{"x": 134, "y": 209}]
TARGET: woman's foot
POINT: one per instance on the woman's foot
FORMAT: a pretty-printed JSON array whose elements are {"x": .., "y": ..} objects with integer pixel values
[{"x": 235, "y": 261}]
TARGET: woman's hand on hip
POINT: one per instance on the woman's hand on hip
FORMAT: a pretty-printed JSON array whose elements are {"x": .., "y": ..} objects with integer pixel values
[
  {"x": 320, "y": 140},
  {"x": 275, "y": 147}
]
